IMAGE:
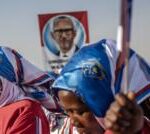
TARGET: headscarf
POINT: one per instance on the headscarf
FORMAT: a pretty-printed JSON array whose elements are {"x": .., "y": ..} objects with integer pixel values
[
  {"x": 93, "y": 75},
  {"x": 10, "y": 92},
  {"x": 27, "y": 78}
]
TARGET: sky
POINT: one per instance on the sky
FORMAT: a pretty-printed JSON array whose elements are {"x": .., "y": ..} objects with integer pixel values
[{"x": 19, "y": 28}]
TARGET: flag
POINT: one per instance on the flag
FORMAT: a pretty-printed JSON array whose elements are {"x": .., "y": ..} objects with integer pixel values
[{"x": 123, "y": 38}]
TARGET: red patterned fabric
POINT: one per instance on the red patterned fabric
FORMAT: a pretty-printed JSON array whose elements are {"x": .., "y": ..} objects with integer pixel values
[{"x": 23, "y": 117}]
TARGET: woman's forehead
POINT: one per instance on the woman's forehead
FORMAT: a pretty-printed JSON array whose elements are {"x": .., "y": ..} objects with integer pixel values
[
  {"x": 69, "y": 99},
  {"x": 67, "y": 95}
]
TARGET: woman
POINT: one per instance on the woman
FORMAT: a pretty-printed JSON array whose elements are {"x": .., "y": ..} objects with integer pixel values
[
  {"x": 33, "y": 81},
  {"x": 20, "y": 114},
  {"x": 88, "y": 83},
  {"x": 21, "y": 81}
]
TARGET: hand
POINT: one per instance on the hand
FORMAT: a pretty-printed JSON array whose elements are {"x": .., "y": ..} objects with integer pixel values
[
  {"x": 87, "y": 124},
  {"x": 124, "y": 115}
]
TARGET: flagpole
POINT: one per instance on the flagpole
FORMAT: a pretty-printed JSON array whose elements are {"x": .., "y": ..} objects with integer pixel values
[{"x": 123, "y": 38}]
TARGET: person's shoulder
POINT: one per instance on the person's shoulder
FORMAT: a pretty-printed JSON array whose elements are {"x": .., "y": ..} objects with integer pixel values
[
  {"x": 21, "y": 104},
  {"x": 28, "y": 103}
]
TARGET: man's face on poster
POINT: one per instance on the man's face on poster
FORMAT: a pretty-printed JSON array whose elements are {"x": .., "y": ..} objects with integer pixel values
[{"x": 64, "y": 34}]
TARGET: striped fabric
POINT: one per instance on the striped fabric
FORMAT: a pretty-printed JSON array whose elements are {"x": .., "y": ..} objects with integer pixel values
[
  {"x": 38, "y": 126},
  {"x": 26, "y": 76},
  {"x": 23, "y": 117}
]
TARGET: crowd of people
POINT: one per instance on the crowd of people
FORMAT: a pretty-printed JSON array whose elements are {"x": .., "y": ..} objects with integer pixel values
[{"x": 87, "y": 97}]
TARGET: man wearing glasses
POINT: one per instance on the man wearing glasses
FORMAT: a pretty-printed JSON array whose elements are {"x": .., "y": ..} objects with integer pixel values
[{"x": 64, "y": 33}]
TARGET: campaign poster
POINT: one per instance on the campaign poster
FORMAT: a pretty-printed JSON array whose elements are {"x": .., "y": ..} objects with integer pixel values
[{"x": 62, "y": 35}]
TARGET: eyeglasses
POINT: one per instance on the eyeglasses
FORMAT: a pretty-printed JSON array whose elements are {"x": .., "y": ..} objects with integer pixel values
[{"x": 67, "y": 31}]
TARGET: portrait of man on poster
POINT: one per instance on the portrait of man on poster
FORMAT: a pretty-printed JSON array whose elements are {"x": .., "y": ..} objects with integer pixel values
[{"x": 64, "y": 33}]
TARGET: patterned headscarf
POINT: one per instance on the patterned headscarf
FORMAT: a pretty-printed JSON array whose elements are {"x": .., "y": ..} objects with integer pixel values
[
  {"x": 25, "y": 78},
  {"x": 93, "y": 75},
  {"x": 10, "y": 92}
]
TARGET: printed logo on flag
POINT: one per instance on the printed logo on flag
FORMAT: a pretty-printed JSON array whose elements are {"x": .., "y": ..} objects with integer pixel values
[{"x": 93, "y": 69}]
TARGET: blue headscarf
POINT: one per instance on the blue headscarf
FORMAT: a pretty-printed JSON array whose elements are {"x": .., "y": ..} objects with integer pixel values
[{"x": 88, "y": 75}]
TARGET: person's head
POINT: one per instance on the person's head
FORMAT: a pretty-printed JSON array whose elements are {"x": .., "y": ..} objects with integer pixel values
[
  {"x": 87, "y": 76},
  {"x": 79, "y": 113},
  {"x": 64, "y": 33}
]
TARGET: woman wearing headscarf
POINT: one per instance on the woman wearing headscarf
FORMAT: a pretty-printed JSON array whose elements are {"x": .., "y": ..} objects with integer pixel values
[
  {"x": 88, "y": 84},
  {"x": 34, "y": 82},
  {"x": 20, "y": 114},
  {"x": 23, "y": 89}
]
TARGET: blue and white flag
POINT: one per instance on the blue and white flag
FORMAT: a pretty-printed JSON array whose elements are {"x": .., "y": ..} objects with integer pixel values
[{"x": 91, "y": 75}]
